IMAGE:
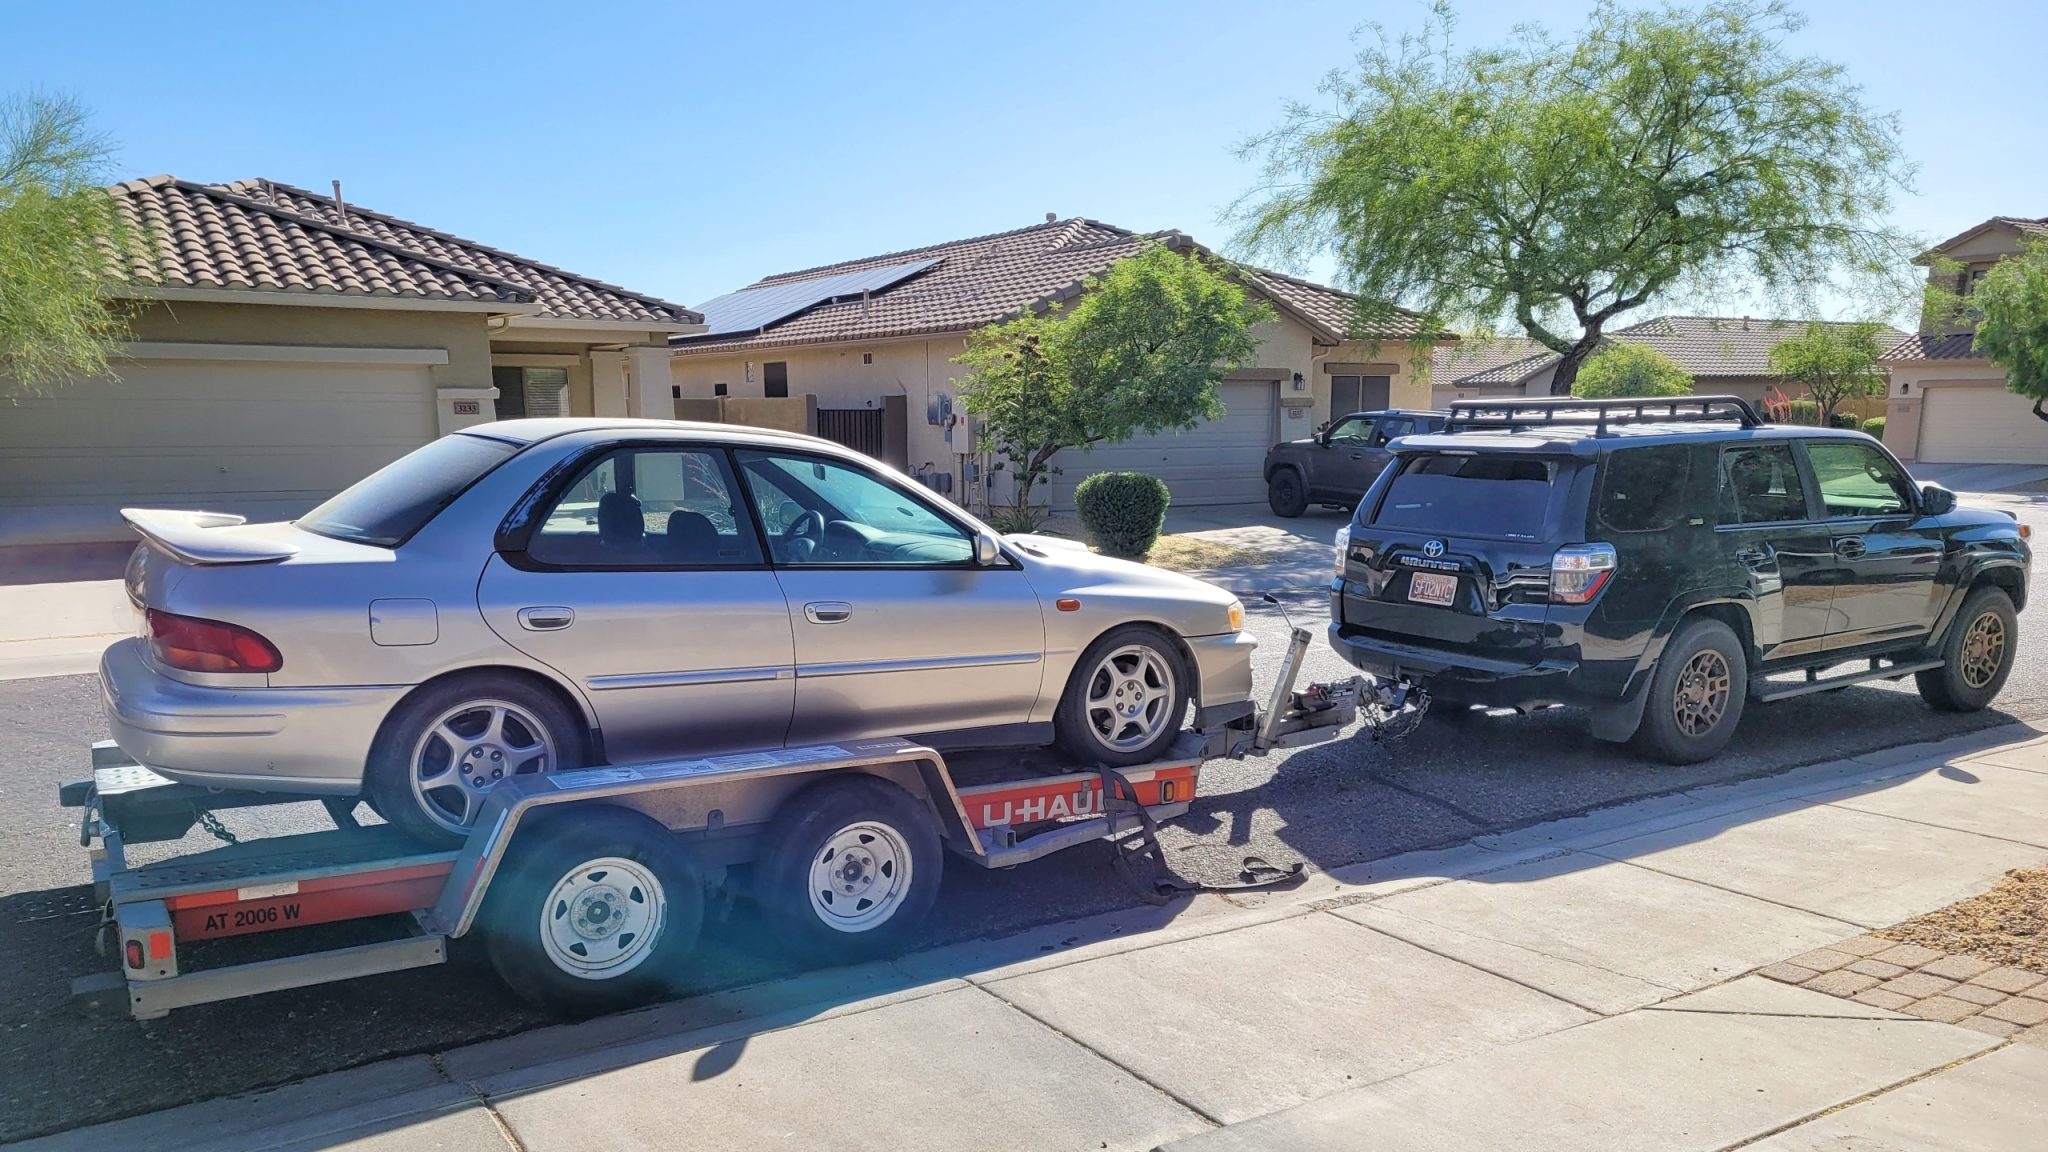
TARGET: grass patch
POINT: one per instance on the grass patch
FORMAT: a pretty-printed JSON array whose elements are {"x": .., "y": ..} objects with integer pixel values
[{"x": 1191, "y": 552}]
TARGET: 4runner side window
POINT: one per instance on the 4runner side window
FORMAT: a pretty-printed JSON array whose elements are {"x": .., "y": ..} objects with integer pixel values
[
  {"x": 1760, "y": 485},
  {"x": 1858, "y": 480},
  {"x": 1643, "y": 489}
]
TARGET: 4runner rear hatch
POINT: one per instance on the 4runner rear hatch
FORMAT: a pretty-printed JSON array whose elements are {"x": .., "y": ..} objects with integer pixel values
[{"x": 1451, "y": 550}]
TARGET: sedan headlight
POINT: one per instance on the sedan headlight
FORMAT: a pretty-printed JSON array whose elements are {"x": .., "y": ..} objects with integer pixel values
[{"x": 1343, "y": 546}]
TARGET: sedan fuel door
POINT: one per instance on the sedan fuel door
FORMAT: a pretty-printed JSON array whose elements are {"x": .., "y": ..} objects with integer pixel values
[
  {"x": 645, "y": 584},
  {"x": 898, "y": 628}
]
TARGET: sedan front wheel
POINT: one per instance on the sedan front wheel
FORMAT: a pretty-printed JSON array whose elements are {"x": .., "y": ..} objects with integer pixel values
[{"x": 1126, "y": 700}]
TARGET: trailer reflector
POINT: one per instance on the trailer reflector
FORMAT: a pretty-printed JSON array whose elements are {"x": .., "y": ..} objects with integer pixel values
[{"x": 159, "y": 945}]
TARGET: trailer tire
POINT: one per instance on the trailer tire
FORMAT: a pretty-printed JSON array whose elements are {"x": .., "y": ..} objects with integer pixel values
[
  {"x": 850, "y": 869},
  {"x": 592, "y": 911}
]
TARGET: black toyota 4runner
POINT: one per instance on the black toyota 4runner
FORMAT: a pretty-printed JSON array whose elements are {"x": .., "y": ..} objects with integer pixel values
[{"x": 1657, "y": 560}]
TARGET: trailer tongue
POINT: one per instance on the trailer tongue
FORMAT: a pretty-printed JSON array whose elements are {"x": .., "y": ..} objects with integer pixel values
[{"x": 843, "y": 845}]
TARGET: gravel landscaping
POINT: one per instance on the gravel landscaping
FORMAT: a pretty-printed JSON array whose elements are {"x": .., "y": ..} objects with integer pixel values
[{"x": 2007, "y": 925}]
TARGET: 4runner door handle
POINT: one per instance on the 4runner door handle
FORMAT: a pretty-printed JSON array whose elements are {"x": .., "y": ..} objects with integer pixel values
[
  {"x": 828, "y": 612},
  {"x": 1751, "y": 554},
  {"x": 1850, "y": 547}
]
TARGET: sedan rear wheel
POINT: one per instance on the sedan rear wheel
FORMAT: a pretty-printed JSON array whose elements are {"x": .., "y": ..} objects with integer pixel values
[{"x": 446, "y": 747}]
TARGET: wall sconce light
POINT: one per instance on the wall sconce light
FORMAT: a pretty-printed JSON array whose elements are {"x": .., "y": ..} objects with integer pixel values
[{"x": 1299, "y": 382}]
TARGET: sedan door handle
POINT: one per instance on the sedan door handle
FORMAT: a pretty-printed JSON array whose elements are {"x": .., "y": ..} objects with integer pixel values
[
  {"x": 549, "y": 619},
  {"x": 828, "y": 612}
]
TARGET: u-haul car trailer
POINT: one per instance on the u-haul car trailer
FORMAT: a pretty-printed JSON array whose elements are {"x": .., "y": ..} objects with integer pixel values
[{"x": 588, "y": 887}]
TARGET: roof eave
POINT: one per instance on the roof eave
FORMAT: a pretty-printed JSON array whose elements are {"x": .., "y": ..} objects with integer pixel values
[
  {"x": 572, "y": 324},
  {"x": 301, "y": 299}
]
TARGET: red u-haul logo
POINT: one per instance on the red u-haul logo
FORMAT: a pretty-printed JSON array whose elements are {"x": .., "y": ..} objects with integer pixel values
[{"x": 1085, "y": 801}]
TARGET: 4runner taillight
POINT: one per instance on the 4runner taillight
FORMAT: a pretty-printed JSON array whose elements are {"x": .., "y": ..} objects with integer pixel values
[
  {"x": 1578, "y": 572},
  {"x": 190, "y": 644}
]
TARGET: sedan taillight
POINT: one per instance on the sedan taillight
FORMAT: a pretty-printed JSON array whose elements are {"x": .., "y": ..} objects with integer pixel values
[
  {"x": 190, "y": 644},
  {"x": 1579, "y": 572}
]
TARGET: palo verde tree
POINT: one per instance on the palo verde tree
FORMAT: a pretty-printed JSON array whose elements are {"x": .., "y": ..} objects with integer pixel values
[
  {"x": 1142, "y": 350},
  {"x": 1627, "y": 370},
  {"x": 62, "y": 243},
  {"x": 1556, "y": 185},
  {"x": 1834, "y": 363},
  {"x": 2011, "y": 306}
]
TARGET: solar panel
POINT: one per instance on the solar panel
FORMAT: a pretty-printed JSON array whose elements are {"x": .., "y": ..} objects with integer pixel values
[{"x": 752, "y": 309}]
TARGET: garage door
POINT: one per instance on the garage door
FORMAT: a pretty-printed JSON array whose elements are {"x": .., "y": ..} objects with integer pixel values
[
  {"x": 268, "y": 440},
  {"x": 1979, "y": 425},
  {"x": 1218, "y": 462}
]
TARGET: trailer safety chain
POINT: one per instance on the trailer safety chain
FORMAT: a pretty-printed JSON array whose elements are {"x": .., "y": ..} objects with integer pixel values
[
  {"x": 1395, "y": 711},
  {"x": 1160, "y": 883},
  {"x": 219, "y": 831}
]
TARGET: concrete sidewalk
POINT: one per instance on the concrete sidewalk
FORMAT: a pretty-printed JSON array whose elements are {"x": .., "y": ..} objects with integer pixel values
[
  {"x": 60, "y": 629},
  {"x": 1590, "y": 983}
]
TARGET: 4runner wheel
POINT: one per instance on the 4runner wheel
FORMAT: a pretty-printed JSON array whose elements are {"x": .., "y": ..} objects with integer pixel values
[
  {"x": 1126, "y": 699},
  {"x": 1284, "y": 492},
  {"x": 1977, "y": 655},
  {"x": 1696, "y": 694},
  {"x": 442, "y": 750},
  {"x": 852, "y": 866},
  {"x": 593, "y": 910}
]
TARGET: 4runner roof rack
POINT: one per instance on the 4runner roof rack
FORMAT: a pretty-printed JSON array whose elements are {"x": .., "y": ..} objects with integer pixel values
[{"x": 1566, "y": 411}]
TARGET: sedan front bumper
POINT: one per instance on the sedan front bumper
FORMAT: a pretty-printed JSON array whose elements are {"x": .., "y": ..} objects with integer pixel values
[
  {"x": 1223, "y": 667},
  {"x": 301, "y": 740}
]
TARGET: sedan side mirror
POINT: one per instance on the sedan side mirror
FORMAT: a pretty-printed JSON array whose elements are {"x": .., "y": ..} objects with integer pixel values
[
  {"x": 988, "y": 551},
  {"x": 1936, "y": 500}
]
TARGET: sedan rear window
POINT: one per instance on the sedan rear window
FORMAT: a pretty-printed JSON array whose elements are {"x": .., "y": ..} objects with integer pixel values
[
  {"x": 386, "y": 507},
  {"x": 1500, "y": 496}
]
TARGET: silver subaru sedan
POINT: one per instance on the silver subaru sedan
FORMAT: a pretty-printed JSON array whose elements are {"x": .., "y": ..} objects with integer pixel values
[{"x": 541, "y": 595}]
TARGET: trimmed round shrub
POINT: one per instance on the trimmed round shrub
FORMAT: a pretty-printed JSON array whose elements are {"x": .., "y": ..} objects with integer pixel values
[
  {"x": 1874, "y": 427},
  {"x": 1848, "y": 420},
  {"x": 1627, "y": 370},
  {"x": 1803, "y": 412},
  {"x": 1122, "y": 511}
]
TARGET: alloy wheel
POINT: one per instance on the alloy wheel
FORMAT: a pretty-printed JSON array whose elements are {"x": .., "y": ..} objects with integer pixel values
[
  {"x": 1130, "y": 697},
  {"x": 1701, "y": 698},
  {"x": 467, "y": 750},
  {"x": 1983, "y": 650}
]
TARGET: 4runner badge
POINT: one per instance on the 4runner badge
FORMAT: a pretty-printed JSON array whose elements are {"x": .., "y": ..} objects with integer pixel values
[{"x": 1433, "y": 549}]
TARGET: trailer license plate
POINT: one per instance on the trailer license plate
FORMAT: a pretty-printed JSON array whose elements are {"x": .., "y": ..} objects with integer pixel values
[{"x": 1432, "y": 588}]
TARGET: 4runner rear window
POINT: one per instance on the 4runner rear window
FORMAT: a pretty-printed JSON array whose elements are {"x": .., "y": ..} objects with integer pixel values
[
  {"x": 386, "y": 507},
  {"x": 1503, "y": 496}
]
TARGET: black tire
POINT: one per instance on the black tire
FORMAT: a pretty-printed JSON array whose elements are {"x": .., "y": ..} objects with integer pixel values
[
  {"x": 1967, "y": 681},
  {"x": 1286, "y": 493},
  {"x": 862, "y": 831},
  {"x": 1076, "y": 731},
  {"x": 539, "y": 883},
  {"x": 387, "y": 776},
  {"x": 1702, "y": 647}
]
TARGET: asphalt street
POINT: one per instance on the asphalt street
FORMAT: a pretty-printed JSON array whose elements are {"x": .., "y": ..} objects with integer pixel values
[{"x": 1327, "y": 805}]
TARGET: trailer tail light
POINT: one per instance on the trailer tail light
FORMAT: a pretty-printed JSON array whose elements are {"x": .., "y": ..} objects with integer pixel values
[
  {"x": 135, "y": 954},
  {"x": 1579, "y": 572},
  {"x": 190, "y": 644}
]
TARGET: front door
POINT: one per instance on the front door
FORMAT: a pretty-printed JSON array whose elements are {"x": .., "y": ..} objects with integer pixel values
[
  {"x": 1769, "y": 534},
  {"x": 1887, "y": 563},
  {"x": 643, "y": 588},
  {"x": 897, "y": 630}
]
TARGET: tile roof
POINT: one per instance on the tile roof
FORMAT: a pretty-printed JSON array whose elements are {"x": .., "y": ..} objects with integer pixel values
[
  {"x": 259, "y": 235},
  {"x": 1333, "y": 311},
  {"x": 1702, "y": 345},
  {"x": 984, "y": 279},
  {"x": 1923, "y": 346},
  {"x": 1484, "y": 360}
]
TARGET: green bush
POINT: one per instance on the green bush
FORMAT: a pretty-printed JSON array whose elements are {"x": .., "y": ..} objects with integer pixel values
[
  {"x": 1626, "y": 370},
  {"x": 1848, "y": 420},
  {"x": 1803, "y": 412},
  {"x": 1122, "y": 511},
  {"x": 1009, "y": 519},
  {"x": 1874, "y": 427}
]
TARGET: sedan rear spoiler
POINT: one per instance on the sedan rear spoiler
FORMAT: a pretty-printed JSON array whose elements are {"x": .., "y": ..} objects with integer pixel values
[{"x": 195, "y": 537}]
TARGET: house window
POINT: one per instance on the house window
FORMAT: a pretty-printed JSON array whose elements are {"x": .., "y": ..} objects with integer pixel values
[
  {"x": 775, "y": 378},
  {"x": 531, "y": 391},
  {"x": 718, "y": 389}
]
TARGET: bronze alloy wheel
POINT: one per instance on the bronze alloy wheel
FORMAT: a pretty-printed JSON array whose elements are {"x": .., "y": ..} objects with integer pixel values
[
  {"x": 1983, "y": 649},
  {"x": 1702, "y": 695}
]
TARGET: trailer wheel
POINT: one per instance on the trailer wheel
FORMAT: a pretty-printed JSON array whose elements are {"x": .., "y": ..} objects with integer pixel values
[
  {"x": 851, "y": 867},
  {"x": 592, "y": 911}
]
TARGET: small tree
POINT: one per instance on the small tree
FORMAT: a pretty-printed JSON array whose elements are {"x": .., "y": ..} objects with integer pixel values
[
  {"x": 62, "y": 246},
  {"x": 1624, "y": 370},
  {"x": 1834, "y": 363},
  {"x": 2012, "y": 330},
  {"x": 1141, "y": 351},
  {"x": 1664, "y": 153}
]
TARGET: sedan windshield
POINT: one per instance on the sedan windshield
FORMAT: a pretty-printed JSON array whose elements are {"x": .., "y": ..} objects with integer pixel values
[{"x": 386, "y": 507}]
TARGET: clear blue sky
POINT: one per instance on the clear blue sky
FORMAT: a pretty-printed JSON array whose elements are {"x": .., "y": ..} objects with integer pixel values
[{"x": 685, "y": 150}]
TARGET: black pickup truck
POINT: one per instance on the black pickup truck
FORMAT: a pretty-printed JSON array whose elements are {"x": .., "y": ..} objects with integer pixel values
[
  {"x": 1338, "y": 463},
  {"x": 1665, "y": 561}
]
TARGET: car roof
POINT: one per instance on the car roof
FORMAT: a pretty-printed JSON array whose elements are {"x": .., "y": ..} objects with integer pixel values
[
  {"x": 1397, "y": 412},
  {"x": 533, "y": 431},
  {"x": 1585, "y": 440}
]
